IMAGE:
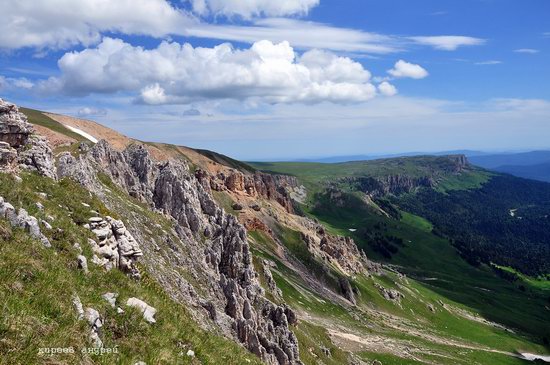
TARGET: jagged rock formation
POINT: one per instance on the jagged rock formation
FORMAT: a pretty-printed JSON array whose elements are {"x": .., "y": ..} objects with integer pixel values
[
  {"x": 389, "y": 294},
  {"x": 271, "y": 284},
  {"x": 279, "y": 188},
  {"x": 401, "y": 183},
  {"x": 215, "y": 241},
  {"x": 116, "y": 247},
  {"x": 19, "y": 147},
  {"x": 23, "y": 220},
  {"x": 341, "y": 251}
]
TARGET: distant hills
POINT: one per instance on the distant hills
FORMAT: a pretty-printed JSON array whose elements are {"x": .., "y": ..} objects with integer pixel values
[
  {"x": 533, "y": 165},
  {"x": 530, "y": 165}
]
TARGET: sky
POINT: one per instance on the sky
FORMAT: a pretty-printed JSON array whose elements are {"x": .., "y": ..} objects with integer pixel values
[{"x": 289, "y": 79}]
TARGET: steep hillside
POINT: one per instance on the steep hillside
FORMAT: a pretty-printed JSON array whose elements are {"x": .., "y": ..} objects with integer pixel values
[{"x": 310, "y": 264}]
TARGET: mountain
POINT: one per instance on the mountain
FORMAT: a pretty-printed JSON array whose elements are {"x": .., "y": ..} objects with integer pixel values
[
  {"x": 540, "y": 171},
  {"x": 171, "y": 255},
  {"x": 510, "y": 159},
  {"x": 530, "y": 165},
  {"x": 352, "y": 158}
]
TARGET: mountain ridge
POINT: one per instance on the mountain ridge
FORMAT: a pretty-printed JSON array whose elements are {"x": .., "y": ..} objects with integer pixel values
[{"x": 252, "y": 258}]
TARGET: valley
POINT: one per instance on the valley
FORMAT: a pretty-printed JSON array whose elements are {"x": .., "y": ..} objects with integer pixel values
[{"x": 322, "y": 263}]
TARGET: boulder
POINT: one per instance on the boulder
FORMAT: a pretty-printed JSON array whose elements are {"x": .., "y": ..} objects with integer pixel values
[
  {"x": 147, "y": 311},
  {"x": 82, "y": 263}
]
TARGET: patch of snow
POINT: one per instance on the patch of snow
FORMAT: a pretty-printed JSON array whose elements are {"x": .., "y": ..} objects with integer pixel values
[
  {"x": 82, "y": 133},
  {"x": 533, "y": 357},
  {"x": 352, "y": 230},
  {"x": 513, "y": 212}
]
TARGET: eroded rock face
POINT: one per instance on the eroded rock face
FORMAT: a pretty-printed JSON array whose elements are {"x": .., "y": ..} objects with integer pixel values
[
  {"x": 115, "y": 246},
  {"x": 19, "y": 147},
  {"x": 215, "y": 242},
  {"x": 23, "y": 220},
  {"x": 279, "y": 188}
]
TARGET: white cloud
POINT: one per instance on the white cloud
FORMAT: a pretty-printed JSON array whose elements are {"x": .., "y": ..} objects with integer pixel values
[
  {"x": 179, "y": 73},
  {"x": 90, "y": 111},
  {"x": 488, "y": 63},
  {"x": 15, "y": 83},
  {"x": 61, "y": 24},
  {"x": 64, "y": 23},
  {"x": 448, "y": 43},
  {"x": 253, "y": 8},
  {"x": 387, "y": 89},
  {"x": 527, "y": 50},
  {"x": 303, "y": 35},
  {"x": 406, "y": 69}
]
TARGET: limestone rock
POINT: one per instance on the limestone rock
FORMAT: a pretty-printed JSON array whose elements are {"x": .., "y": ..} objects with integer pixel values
[
  {"x": 110, "y": 298},
  {"x": 214, "y": 243},
  {"x": 77, "y": 304},
  {"x": 116, "y": 247},
  {"x": 147, "y": 311},
  {"x": 94, "y": 320},
  {"x": 19, "y": 145},
  {"x": 23, "y": 220},
  {"x": 82, "y": 263}
]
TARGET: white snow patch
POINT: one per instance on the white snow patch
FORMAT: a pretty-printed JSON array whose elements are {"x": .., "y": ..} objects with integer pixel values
[
  {"x": 533, "y": 357},
  {"x": 352, "y": 230},
  {"x": 82, "y": 133}
]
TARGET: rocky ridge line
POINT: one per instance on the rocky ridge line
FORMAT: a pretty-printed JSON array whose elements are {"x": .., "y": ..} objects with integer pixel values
[
  {"x": 235, "y": 301},
  {"x": 20, "y": 148}
]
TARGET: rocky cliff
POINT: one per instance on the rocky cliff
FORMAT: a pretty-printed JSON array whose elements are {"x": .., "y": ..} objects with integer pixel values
[
  {"x": 20, "y": 148},
  {"x": 215, "y": 240},
  {"x": 278, "y": 188}
]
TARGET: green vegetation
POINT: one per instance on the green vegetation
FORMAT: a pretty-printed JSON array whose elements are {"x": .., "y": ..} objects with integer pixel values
[
  {"x": 37, "y": 285},
  {"x": 482, "y": 224},
  {"x": 39, "y": 118},
  {"x": 417, "y": 233},
  {"x": 226, "y": 161}
]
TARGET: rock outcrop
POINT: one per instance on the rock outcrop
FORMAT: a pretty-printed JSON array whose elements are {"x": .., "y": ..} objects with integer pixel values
[
  {"x": 19, "y": 147},
  {"x": 338, "y": 250},
  {"x": 23, "y": 220},
  {"x": 146, "y": 310},
  {"x": 279, "y": 188},
  {"x": 215, "y": 242},
  {"x": 116, "y": 247}
]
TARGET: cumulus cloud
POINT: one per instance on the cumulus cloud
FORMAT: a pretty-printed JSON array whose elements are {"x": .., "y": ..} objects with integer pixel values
[
  {"x": 404, "y": 69},
  {"x": 253, "y": 8},
  {"x": 15, "y": 83},
  {"x": 447, "y": 42},
  {"x": 180, "y": 73},
  {"x": 64, "y": 23},
  {"x": 387, "y": 89}
]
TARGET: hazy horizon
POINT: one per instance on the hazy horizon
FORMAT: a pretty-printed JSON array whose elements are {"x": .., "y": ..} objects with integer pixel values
[{"x": 299, "y": 79}]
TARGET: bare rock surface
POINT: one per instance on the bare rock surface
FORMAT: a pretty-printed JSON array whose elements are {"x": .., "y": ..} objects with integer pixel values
[
  {"x": 23, "y": 220},
  {"x": 147, "y": 311},
  {"x": 212, "y": 244},
  {"x": 19, "y": 146},
  {"x": 115, "y": 246}
]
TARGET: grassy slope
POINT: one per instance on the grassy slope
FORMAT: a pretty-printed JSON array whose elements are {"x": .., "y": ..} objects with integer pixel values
[
  {"x": 321, "y": 312},
  {"x": 37, "y": 285},
  {"x": 438, "y": 271},
  {"x": 38, "y": 118}
]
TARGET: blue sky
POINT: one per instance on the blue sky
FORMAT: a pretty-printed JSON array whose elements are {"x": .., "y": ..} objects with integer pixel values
[{"x": 259, "y": 79}]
